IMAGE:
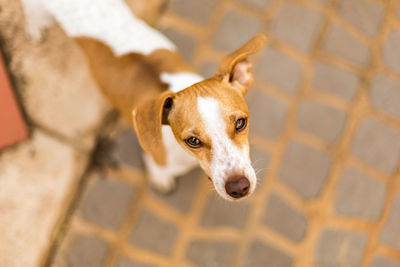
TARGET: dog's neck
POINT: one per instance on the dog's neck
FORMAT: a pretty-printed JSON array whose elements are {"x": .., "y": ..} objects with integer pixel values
[{"x": 109, "y": 21}]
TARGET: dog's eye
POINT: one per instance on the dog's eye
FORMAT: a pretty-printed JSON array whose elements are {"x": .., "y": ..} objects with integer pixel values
[
  {"x": 240, "y": 124},
  {"x": 193, "y": 142}
]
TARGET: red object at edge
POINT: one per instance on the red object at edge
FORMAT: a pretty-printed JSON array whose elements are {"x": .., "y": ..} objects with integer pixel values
[{"x": 12, "y": 126}]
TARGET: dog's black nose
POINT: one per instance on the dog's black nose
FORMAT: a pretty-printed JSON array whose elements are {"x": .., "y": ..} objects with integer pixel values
[{"x": 238, "y": 188}]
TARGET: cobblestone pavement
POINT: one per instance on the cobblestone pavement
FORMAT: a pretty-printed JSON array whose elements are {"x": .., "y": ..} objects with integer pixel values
[{"x": 325, "y": 136}]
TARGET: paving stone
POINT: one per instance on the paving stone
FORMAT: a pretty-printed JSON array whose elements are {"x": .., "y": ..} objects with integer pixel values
[
  {"x": 107, "y": 202},
  {"x": 377, "y": 144},
  {"x": 182, "y": 197},
  {"x": 385, "y": 95},
  {"x": 390, "y": 234},
  {"x": 279, "y": 70},
  {"x": 340, "y": 43},
  {"x": 391, "y": 53},
  {"x": 127, "y": 149},
  {"x": 36, "y": 180},
  {"x": 154, "y": 234},
  {"x": 148, "y": 11},
  {"x": 87, "y": 251},
  {"x": 364, "y": 15},
  {"x": 210, "y": 253},
  {"x": 218, "y": 212},
  {"x": 258, "y": 4},
  {"x": 208, "y": 68},
  {"x": 235, "y": 29},
  {"x": 321, "y": 120},
  {"x": 125, "y": 262},
  {"x": 398, "y": 11},
  {"x": 283, "y": 218},
  {"x": 261, "y": 255},
  {"x": 197, "y": 11},
  {"x": 297, "y": 26},
  {"x": 380, "y": 261},
  {"x": 359, "y": 195},
  {"x": 185, "y": 43},
  {"x": 260, "y": 161},
  {"x": 304, "y": 169},
  {"x": 335, "y": 81},
  {"x": 323, "y": 1},
  {"x": 267, "y": 114},
  {"x": 337, "y": 248}
]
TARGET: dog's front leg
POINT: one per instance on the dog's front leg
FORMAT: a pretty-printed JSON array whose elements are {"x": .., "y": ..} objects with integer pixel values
[
  {"x": 160, "y": 177},
  {"x": 179, "y": 162}
]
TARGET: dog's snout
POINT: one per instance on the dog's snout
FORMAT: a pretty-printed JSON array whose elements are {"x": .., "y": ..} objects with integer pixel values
[{"x": 237, "y": 188}]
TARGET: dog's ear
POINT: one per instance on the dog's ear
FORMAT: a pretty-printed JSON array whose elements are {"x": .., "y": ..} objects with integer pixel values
[
  {"x": 147, "y": 120},
  {"x": 235, "y": 68}
]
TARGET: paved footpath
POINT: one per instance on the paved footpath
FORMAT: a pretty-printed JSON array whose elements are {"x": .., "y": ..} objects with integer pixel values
[
  {"x": 325, "y": 135},
  {"x": 325, "y": 138}
]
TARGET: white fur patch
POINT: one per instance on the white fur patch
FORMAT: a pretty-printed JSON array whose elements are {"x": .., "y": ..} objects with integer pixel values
[
  {"x": 179, "y": 162},
  {"x": 181, "y": 80},
  {"x": 110, "y": 21},
  {"x": 227, "y": 158}
]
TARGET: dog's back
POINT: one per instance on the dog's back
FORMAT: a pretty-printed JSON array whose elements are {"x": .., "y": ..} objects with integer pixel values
[
  {"x": 132, "y": 78},
  {"x": 126, "y": 56},
  {"x": 109, "y": 21}
]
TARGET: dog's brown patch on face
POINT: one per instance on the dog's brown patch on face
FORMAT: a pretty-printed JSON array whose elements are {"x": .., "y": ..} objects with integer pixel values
[{"x": 186, "y": 121}]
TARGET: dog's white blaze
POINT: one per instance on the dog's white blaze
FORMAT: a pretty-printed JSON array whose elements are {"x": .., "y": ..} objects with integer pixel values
[
  {"x": 110, "y": 21},
  {"x": 180, "y": 80},
  {"x": 227, "y": 158}
]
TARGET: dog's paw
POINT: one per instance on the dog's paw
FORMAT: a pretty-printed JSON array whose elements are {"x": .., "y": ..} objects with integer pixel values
[
  {"x": 161, "y": 177},
  {"x": 36, "y": 23},
  {"x": 34, "y": 34},
  {"x": 164, "y": 186}
]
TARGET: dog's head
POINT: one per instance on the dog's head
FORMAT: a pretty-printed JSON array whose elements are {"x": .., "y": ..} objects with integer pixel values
[{"x": 210, "y": 119}]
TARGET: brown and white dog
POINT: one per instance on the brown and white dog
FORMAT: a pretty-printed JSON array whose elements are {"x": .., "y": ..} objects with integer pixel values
[{"x": 181, "y": 119}]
